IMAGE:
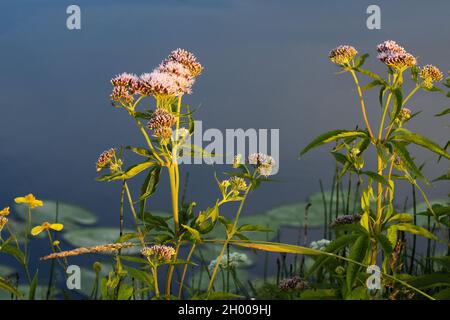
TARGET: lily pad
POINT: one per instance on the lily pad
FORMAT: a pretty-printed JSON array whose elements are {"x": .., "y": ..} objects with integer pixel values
[
  {"x": 68, "y": 214},
  {"x": 6, "y": 271},
  {"x": 90, "y": 237},
  {"x": 293, "y": 215},
  {"x": 422, "y": 207}
]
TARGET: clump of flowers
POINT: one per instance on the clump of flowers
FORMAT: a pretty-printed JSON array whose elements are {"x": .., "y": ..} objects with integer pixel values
[
  {"x": 188, "y": 60},
  {"x": 161, "y": 123},
  {"x": 320, "y": 244},
  {"x": 105, "y": 159},
  {"x": 395, "y": 56},
  {"x": 430, "y": 74},
  {"x": 294, "y": 283},
  {"x": 160, "y": 253},
  {"x": 343, "y": 54},
  {"x": 236, "y": 259},
  {"x": 346, "y": 219},
  {"x": 263, "y": 163},
  {"x": 174, "y": 77}
]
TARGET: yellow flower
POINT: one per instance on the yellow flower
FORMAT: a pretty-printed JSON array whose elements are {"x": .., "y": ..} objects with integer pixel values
[
  {"x": 46, "y": 226},
  {"x": 56, "y": 243},
  {"x": 4, "y": 211},
  {"x": 30, "y": 200}
]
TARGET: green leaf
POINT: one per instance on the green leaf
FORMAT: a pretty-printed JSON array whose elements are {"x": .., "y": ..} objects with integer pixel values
[
  {"x": 443, "y": 113},
  {"x": 372, "y": 85},
  {"x": 402, "y": 217},
  {"x": 125, "y": 292},
  {"x": 140, "y": 275},
  {"x": 402, "y": 134},
  {"x": 4, "y": 285},
  {"x": 369, "y": 74},
  {"x": 360, "y": 60},
  {"x": 33, "y": 285},
  {"x": 407, "y": 227},
  {"x": 194, "y": 233},
  {"x": 378, "y": 178},
  {"x": 253, "y": 227},
  {"x": 134, "y": 170},
  {"x": 319, "y": 294},
  {"x": 71, "y": 216},
  {"x": 149, "y": 186},
  {"x": 334, "y": 246},
  {"x": 13, "y": 251},
  {"x": 398, "y": 103},
  {"x": 332, "y": 136},
  {"x": 140, "y": 151},
  {"x": 431, "y": 280},
  {"x": 358, "y": 252},
  {"x": 273, "y": 247},
  {"x": 404, "y": 155}
]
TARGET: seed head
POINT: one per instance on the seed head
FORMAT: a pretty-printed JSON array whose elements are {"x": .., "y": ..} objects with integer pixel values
[
  {"x": 342, "y": 54},
  {"x": 105, "y": 158}
]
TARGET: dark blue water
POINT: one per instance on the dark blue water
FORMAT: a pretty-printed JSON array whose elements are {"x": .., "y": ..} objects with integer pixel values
[{"x": 265, "y": 64}]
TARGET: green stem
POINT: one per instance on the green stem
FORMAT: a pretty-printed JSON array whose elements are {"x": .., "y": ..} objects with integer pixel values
[
  {"x": 183, "y": 276},
  {"x": 130, "y": 201},
  {"x": 229, "y": 237},
  {"x": 363, "y": 108}
]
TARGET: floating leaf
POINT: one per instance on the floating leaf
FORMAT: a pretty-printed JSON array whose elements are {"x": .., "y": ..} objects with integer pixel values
[
  {"x": 70, "y": 215},
  {"x": 96, "y": 236}
]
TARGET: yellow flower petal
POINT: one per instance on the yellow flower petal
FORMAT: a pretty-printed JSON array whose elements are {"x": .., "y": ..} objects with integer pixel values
[
  {"x": 36, "y": 230},
  {"x": 20, "y": 200},
  {"x": 56, "y": 226},
  {"x": 4, "y": 212}
]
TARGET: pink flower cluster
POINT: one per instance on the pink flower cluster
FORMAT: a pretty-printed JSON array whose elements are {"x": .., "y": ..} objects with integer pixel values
[
  {"x": 173, "y": 77},
  {"x": 395, "y": 56}
]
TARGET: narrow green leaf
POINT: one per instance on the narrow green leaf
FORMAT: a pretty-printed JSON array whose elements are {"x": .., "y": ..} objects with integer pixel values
[
  {"x": 332, "y": 136},
  {"x": 402, "y": 134},
  {"x": 358, "y": 252}
]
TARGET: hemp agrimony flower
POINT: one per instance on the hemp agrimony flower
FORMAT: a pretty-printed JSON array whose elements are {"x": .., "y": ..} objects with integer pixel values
[
  {"x": 263, "y": 163},
  {"x": 294, "y": 283},
  {"x": 160, "y": 253},
  {"x": 430, "y": 74},
  {"x": 105, "y": 159},
  {"x": 346, "y": 219},
  {"x": 395, "y": 56},
  {"x": 187, "y": 59}
]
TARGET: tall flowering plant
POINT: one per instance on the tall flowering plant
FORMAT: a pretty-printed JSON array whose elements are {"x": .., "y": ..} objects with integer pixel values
[
  {"x": 166, "y": 127},
  {"x": 380, "y": 221}
]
